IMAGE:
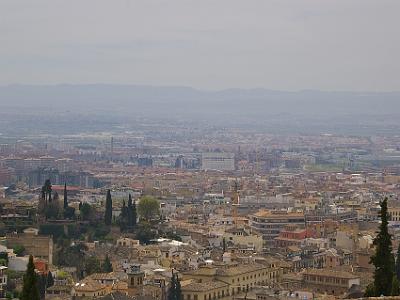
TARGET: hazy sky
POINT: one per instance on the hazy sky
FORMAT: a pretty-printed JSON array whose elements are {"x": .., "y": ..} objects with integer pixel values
[{"x": 213, "y": 44}]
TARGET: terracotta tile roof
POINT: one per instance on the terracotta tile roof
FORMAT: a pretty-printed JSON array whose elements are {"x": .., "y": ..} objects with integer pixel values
[{"x": 204, "y": 286}]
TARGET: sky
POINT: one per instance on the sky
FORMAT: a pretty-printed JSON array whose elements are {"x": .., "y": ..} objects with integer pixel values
[{"x": 346, "y": 45}]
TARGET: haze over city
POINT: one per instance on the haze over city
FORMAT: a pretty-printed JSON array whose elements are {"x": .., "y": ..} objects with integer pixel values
[{"x": 199, "y": 150}]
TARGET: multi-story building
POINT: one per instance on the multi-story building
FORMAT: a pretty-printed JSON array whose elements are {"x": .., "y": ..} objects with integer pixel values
[
  {"x": 226, "y": 281},
  {"x": 394, "y": 213},
  {"x": 88, "y": 288},
  {"x": 290, "y": 236},
  {"x": 40, "y": 246},
  {"x": 215, "y": 290},
  {"x": 221, "y": 161},
  {"x": 270, "y": 223},
  {"x": 328, "y": 281}
]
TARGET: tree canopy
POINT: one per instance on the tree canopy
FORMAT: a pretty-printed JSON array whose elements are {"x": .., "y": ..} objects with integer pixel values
[
  {"x": 148, "y": 208},
  {"x": 106, "y": 266},
  {"x": 383, "y": 259},
  {"x": 108, "y": 211},
  {"x": 30, "y": 290},
  {"x": 175, "y": 292}
]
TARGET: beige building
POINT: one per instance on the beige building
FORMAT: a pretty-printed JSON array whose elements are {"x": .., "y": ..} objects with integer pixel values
[
  {"x": 205, "y": 290},
  {"x": 329, "y": 281},
  {"x": 394, "y": 213},
  {"x": 244, "y": 237},
  {"x": 40, "y": 246},
  {"x": 89, "y": 288},
  {"x": 228, "y": 280},
  {"x": 127, "y": 242}
]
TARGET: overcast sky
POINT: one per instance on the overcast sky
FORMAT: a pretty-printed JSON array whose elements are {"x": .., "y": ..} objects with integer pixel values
[{"x": 211, "y": 44}]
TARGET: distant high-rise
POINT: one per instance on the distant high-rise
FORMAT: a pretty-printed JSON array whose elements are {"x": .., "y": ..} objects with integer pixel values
[
  {"x": 221, "y": 161},
  {"x": 112, "y": 147}
]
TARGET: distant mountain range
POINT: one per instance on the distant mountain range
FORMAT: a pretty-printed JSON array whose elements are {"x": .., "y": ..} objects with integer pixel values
[
  {"x": 231, "y": 106},
  {"x": 260, "y": 101}
]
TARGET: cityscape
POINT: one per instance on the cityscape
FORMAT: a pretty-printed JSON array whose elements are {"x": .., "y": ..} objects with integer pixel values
[{"x": 164, "y": 191}]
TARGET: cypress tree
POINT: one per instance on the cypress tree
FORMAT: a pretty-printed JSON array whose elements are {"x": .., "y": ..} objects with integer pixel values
[
  {"x": 65, "y": 196},
  {"x": 108, "y": 212},
  {"x": 172, "y": 288},
  {"x": 41, "y": 285},
  {"x": 30, "y": 290},
  {"x": 383, "y": 259},
  {"x": 175, "y": 291},
  {"x": 107, "y": 266},
  {"x": 130, "y": 215},
  {"x": 123, "y": 218},
  {"x": 397, "y": 266},
  {"x": 50, "y": 279},
  {"x": 124, "y": 211},
  {"x": 178, "y": 290},
  {"x": 134, "y": 214},
  {"x": 395, "y": 287}
]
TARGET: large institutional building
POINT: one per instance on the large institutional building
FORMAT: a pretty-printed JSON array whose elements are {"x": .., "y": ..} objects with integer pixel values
[
  {"x": 271, "y": 223},
  {"x": 221, "y": 161}
]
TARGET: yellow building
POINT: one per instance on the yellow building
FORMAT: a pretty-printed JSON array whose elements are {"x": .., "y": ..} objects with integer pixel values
[
  {"x": 244, "y": 237},
  {"x": 394, "y": 213},
  {"x": 228, "y": 280},
  {"x": 206, "y": 291},
  {"x": 329, "y": 281}
]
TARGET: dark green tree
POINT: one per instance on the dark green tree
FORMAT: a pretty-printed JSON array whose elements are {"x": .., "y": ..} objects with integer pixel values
[
  {"x": 144, "y": 233},
  {"x": 92, "y": 265},
  {"x": 107, "y": 266},
  {"x": 178, "y": 290},
  {"x": 124, "y": 211},
  {"x": 383, "y": 259},
  {"x": 149, "y": 208},
  {"x": 108, "y": 211},
  {"x": 130, "y": 211},
  {"x": 132, "y": 214},
  {"x": 53, "y": 209},
  {"x": 65, "y": 196},
  {"x": 395, "y": 287},
  {"x": 175, "y": 292},
  {"x": 47, "y": 188},
  {"x": 72, "y": 256},
  {"x": 41, "y": 285},
  {"x": 30, "y": 290},
  {"x": 123, "y": 217},
  {"x": 69, "y": 213},
  {"x": 224, "y": 245},
  {"x": 86, "y": 211},
  {"x": 19, "y": 250},
  {"x": 50, "y": 279},
  {"x": 397, "y": 266}
]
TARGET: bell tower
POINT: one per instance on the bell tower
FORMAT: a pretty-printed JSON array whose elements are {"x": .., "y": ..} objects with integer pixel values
[{"x": 135, "y": 277}]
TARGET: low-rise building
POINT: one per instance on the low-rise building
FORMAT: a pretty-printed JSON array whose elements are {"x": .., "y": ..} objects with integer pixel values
[{"x": 329, "y": 281}]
